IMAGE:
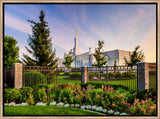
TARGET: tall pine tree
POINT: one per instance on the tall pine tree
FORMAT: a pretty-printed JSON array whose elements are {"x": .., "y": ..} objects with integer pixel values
[{"x": 40, "y": 45}]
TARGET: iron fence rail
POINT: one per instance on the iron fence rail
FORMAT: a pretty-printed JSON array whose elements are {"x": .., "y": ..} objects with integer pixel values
[{"x": 113, "y": 75}]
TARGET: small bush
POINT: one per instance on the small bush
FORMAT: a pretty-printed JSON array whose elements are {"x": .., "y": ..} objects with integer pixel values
[
  {"x": 129, "y": 74},
  {"x": 111, "y": 75},
  {"x": 11, "y": 95},
  {"x": 33, "y": 78},
  {"x": 26, "y": 95},
  {"x": 118, "y": 75}
]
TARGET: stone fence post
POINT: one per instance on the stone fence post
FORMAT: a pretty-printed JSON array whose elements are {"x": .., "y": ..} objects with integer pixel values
[
  {"x": 84, "y": 73},
  {"x": 18, "y": 68},
  {"x": 142, "y": 75}
]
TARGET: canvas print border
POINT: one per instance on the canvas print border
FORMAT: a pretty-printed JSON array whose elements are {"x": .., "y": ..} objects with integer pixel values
[{"x": 79, "y": 1}]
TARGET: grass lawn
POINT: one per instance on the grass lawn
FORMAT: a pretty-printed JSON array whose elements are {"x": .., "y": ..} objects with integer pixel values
[{"x": 45, "y": 110}]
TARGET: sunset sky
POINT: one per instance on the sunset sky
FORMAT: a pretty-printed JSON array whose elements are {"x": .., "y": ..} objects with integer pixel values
[{"x": 121, "y": 26}]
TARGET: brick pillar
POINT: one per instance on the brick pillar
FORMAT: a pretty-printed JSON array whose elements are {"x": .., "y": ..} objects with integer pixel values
[
  {"x": 142, "y": 75},
  {"x": 18, "y": 75},
  {"x": 84, "y": 73}
]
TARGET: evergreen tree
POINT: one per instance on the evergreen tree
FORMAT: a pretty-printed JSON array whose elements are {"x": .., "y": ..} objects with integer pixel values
[
  {"x": 68, "y": 59},
  {"x": 100, "y": 58},
  {"x": 40, "y": 45},
  {"x": 11, "y": 51},
  {"x": 137, "y": 56}
]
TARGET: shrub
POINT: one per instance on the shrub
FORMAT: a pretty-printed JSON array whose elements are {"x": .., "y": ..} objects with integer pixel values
[
  {"x": 67, "y": 95},
  {"x": 40, "y": 86},
  {"x": 93, "y": 74},
  {"x": 111, "y": 75},
  {"x": 118, "y": 75},
  {"x": 143, "y": 107},
  {"x": 129, "y": 74},
  {"x": 26, "y": 95},
  {"x": 143, "y": 94},
  {"x": 33, "y": 78},
  {"x": 11, "y": 95}
]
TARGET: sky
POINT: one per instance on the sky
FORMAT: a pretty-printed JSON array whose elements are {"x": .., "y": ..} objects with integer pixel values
[{"x": 121, "y": 26}]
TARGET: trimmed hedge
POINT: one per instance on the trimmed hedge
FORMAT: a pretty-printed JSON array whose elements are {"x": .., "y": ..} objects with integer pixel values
[{"x": 33, "y": 78}]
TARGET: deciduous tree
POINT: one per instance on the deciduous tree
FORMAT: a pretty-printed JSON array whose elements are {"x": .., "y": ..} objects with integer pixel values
[
  {"x": 11, "y": 51},
  {"x": 100, "y": 58},
  {"x": 137, "y": 56},
  {"x": 68, "y": 59}
]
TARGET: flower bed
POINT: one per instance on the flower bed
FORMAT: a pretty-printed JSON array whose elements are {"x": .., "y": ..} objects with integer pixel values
[{"x": 106, "y": 97}]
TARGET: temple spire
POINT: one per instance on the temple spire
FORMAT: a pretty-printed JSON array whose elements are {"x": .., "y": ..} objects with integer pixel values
[
  {"x": 76, "y": 49},
  {"x": 76, "y": 33}
]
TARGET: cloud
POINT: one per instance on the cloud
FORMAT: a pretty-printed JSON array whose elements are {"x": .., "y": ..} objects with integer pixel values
[
  {"x": 17, "y": 24},
  {"x": 149, "y": 44}
]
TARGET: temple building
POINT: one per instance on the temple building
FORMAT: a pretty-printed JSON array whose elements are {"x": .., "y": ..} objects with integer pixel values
[{"x": 87, "y": 58}]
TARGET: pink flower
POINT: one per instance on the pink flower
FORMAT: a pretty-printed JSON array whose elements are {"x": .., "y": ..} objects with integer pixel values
[
  {"x": 49, "y": 89},
  {"x": 134, "y": 103},
  {"x": 137, "y": 99},
  {"x": 155, "y": 97},
  {"x": 142, "y": 101},
  {"x": 106, "y": 96},
  {"x": 97, "y": 96},
  {"x": 149, "y": 111},
  {"x": 128, "y": 104},
  {"x": 123, "y": 102},
  {"x": 135, "y": 93},
  {"x": 152, "y": 107}
]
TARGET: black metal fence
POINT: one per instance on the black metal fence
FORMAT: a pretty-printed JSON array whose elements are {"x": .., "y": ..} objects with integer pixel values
[
  {"x": 69, "y": 75},
  {"x": 120, "y": 75},
  {"x": 8, "y": 77},
  {"x": 33, "y": 75}
]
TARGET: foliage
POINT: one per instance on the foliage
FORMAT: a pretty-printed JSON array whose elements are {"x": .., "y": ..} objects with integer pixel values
[
  {"x": 11, "y": 51},
  {"x": 129, "y": 74},
  {"x": 111, "y": 75},
  {"x": 40, "y": 45},
  {"x": 67, "y": 95},
  {"x": 137, "y": 56},
  {"x": 33, "y": 78},
  {"x": 118, "y": 75},
  {"x": 143, "y": 107},
  {"x": 117, "y": 99},
  {"x": 26, "y": 95},
  {"x": 11, "y": 95},
  {"x": 100, "y": 58},
  {"x": 68, "y": 59}
]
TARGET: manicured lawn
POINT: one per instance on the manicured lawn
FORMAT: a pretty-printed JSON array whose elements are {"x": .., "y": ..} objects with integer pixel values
[{"x": 45, "y": 110}]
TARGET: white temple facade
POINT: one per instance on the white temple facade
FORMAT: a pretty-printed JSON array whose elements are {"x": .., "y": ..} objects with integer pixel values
[{"x": 87, "y": 58}]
